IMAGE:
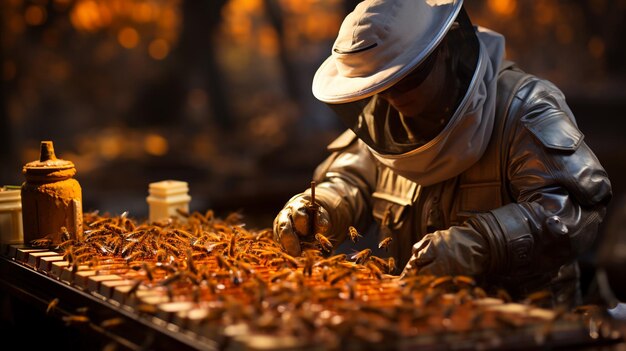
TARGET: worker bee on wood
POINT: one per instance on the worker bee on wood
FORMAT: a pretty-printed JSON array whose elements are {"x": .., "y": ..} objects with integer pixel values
[
  {"x": 280, "y": 275},
  {"x": 391, "y": 265},
  {"x": 182, "y": 212},
  {"x": 463, "y": 280},
  {"x": 265, "y": 235},
  {"x": 148, "y": 271},
  {"x": 373, "y": 268},
  {"x": 146, "y": 308},
  {"x": 362, "y": 256},
  {"x": 111, "y": 322},
  {"x": 43, "y": 243},
  {"x": 133, "y": 289},
  {"x": 234, "y": 218},
  {"x": 354, "y": 234},
  {"x": 536, "y": 298},
  {"x": 431, "y": 296},
  {"x": 441, "y": 281},
  {"x": 479, "y": 293},
  {"x": 309, "y": 262},
  {"x": 114, "y": 228},
  {"x": 100, "y": 222},
  {"x": 339, "y": 276},
  {"x": 503, "y": 295},
  {"x": 209, "y": 215},
  {"x": 190, "y": 264},
  {"x": 75, "y": 319},
  {"x": 290, "y": 260}
]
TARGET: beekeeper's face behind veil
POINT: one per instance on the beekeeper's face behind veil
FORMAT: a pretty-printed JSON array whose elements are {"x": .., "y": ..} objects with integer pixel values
[{"x": 412, "y": 80}]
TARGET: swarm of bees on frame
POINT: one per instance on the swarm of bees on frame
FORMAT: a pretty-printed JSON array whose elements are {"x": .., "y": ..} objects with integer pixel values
[{"x": 241, "y": 276}]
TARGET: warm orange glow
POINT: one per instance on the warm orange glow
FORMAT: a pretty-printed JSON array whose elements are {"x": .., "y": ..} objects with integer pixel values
[
  {"x": 246, "y": 23},
  {"x": 268, "y": 41},
  {"x": 329, "y": 25},
  {"x": 247, "y": 5},
  {"x": 35, "y": 15},
  {"x": 110, "y": 146},
  {"x": 128, "y": 37},
  {"x": 596, "y": 47},
  {"x": 503, "y": 7},
  {"x": 155, "y": 144},
  {"x": 545, "y": 12},
  {"x": 90, "y": 16},
  {"x": 144, "y": 12},
  {"x": 159, "y": 49},
  {"x": 168, "y": 21}
]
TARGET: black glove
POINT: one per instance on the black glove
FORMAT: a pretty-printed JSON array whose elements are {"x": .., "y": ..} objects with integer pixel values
[{"x": 456, "y": 251}]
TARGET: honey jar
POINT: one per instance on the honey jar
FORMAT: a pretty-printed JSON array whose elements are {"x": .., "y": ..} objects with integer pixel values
[
  {"x": 51, "y": 198},
  {"x": 10, "y": 215}
]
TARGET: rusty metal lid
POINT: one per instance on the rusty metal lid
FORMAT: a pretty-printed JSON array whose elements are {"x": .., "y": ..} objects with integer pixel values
[{"x": 47, "y": 160}]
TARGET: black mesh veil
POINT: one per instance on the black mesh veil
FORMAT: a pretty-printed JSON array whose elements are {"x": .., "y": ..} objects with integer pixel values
[{"x": 380, "y": 125}]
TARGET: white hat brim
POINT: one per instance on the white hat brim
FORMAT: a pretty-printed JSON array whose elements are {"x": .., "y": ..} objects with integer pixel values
[{"x": 331, "y": 87}]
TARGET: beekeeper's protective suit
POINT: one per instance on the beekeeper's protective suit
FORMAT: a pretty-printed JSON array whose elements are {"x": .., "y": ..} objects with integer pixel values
[{"x": 471, "y": 165}]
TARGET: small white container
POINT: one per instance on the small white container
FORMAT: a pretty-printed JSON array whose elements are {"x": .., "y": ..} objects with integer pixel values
[
  {"x": 11, "y": 230},
  {"x": 166, "y": 197}
]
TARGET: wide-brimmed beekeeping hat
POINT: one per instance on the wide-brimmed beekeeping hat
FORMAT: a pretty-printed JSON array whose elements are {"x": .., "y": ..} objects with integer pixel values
[{"x": 379, "y": 43}]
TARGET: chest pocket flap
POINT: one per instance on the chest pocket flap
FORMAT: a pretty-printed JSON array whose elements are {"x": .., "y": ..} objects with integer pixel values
[
  {"x": 393, "y": 196},
  {"x": 556, "y": 131}
]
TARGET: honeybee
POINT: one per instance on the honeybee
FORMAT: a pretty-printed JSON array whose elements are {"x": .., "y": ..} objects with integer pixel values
[
  {"x": 75, "y": 319},
  {"x": 538, "y": 297},
  {"x": 280, "y": 275},
  {"x": 354, "y": 234},
  {"x": 324, "y": 242},
  {"x": 376, "y": 272},
  {"x": 190, "y": 265},
  {"x": 133, "y": 289},
  {"x": 146, "y": 308},
  {"x": 339, "y": 276},
  {"x": 148, "y": 271},
  {"x": 52, "y": 305},
  {"x": 438, "y": 282},
  {"x": 460, "y": 280},
  {"x": 112, "y": 322},
  {"x": 503, "y": 295},
  {"x": 43, "y": 243},
  {"x": 362, "y": 256},
  {"x": 391, "y": 265},
  {"x": 384, "y": 244}
]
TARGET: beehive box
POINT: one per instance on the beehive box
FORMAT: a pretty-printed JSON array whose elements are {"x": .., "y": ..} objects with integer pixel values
[{"x": 215, "y": 279}]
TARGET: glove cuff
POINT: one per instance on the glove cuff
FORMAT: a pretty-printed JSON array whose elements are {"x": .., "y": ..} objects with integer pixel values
[{"x": 509, "y": 234}]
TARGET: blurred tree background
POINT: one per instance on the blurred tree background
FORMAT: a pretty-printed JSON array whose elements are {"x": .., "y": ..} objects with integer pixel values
[{"x": 217, "y": 92}]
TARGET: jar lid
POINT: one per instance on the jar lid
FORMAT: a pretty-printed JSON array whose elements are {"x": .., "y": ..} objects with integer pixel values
[
  {"x": 48, "y": 160},
  {"x": 10, "y": 194}
]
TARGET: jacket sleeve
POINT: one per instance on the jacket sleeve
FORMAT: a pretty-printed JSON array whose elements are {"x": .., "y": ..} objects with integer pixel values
[
  {"x": 559, "y": 188},
  {"x": 345, "y": 183}
]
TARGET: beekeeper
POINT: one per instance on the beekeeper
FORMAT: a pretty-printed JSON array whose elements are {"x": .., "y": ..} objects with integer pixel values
[{"x": 471, "y": 165}]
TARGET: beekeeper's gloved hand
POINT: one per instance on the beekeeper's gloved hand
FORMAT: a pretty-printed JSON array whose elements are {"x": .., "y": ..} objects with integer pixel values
[
  {"x": 456, "y": 251},
  {"x": 292, "y": 224}
]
